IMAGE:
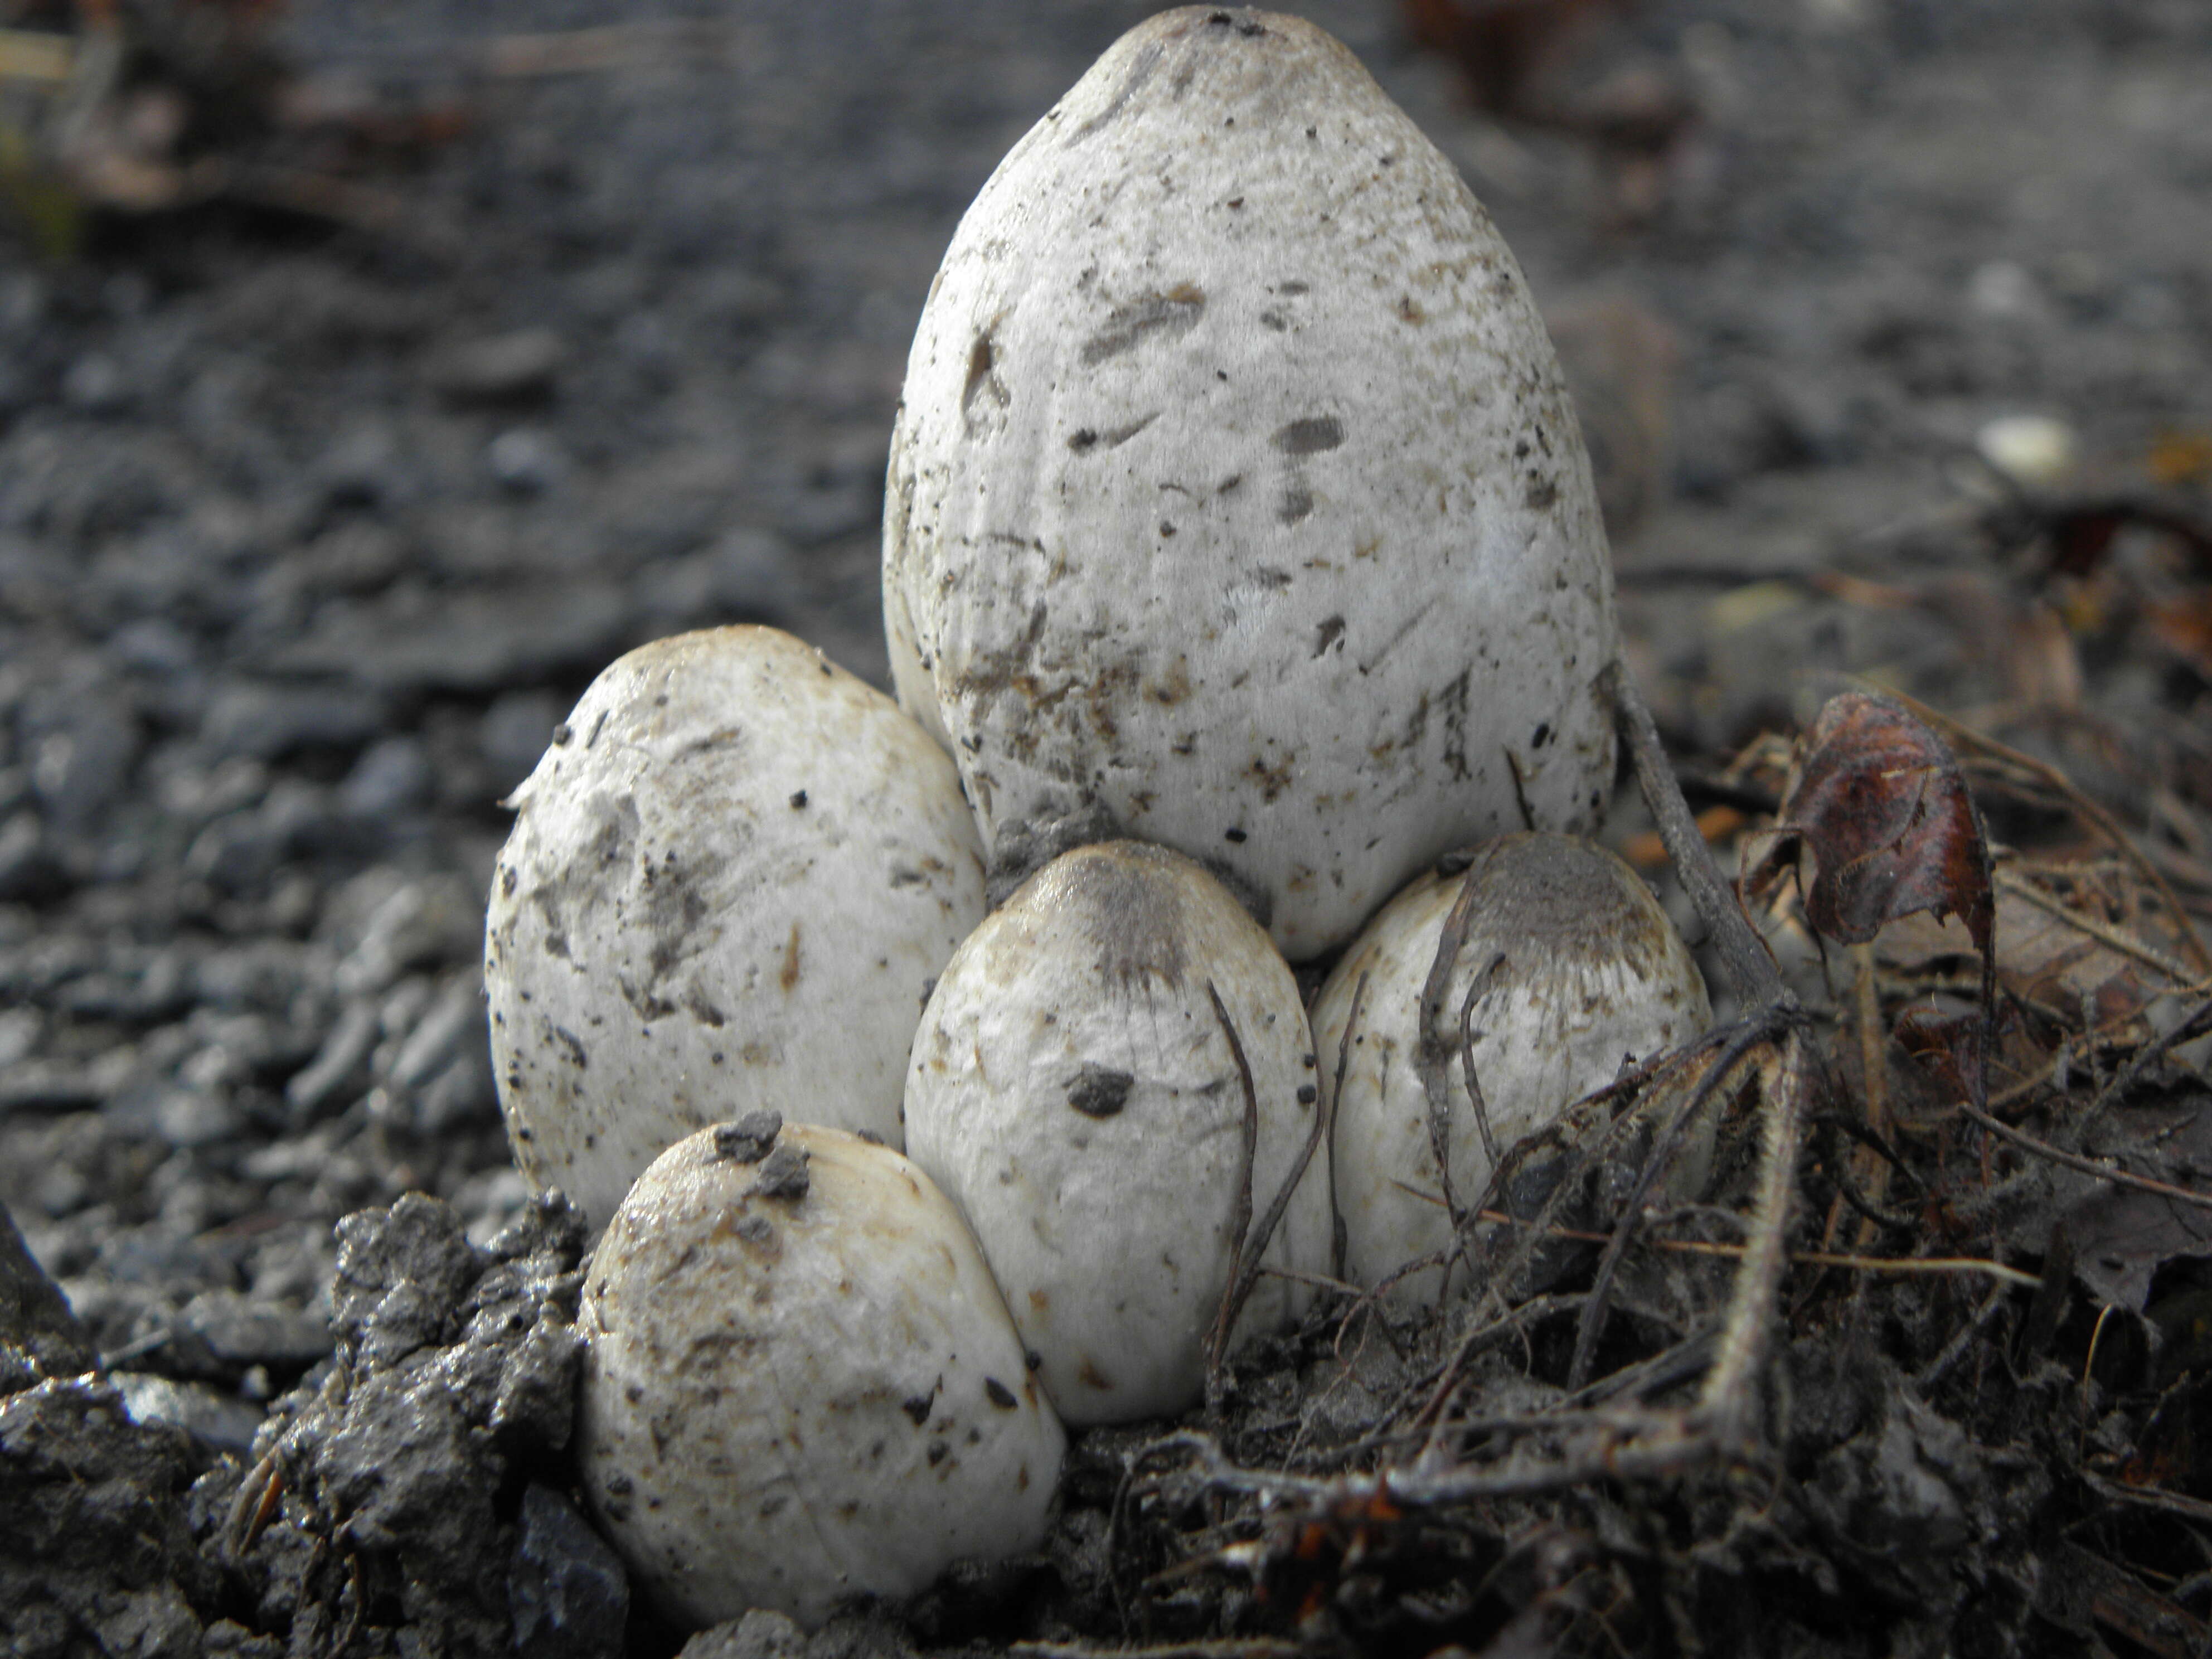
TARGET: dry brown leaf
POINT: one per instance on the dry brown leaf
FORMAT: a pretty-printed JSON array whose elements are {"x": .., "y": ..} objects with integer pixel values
[{"x": 1883, "y": 808}]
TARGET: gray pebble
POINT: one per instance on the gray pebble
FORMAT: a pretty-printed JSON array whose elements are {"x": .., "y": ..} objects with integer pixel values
[{"x": 568, "y": 1591}]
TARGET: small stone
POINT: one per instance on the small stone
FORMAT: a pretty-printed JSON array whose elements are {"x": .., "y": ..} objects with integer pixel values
[
  {"x": 392, "y": 776},
  {"x": 525, "y": 460},
  {"x": 84, "y": 747},
  {"x": 218, "y": 1421},
  {"x": 267, "y": 721},
  {"x": 30, "y": 869},
  {"x": 570, "y": 1594},
  {"x": 501, "y": 368},
  {"x": 237, "y": 1331},
  {"x": 96, "y": 385}
]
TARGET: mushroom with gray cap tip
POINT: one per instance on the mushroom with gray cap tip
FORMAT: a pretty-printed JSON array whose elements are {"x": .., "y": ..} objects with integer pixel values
[
  {"x": 1230, "y": 405},
  {"x": 800, "y": 1382},
  {"x": 731, "y": 880},
  {"x": 1073, "y": 1089},
  {"x": 1572, "y": 967}
]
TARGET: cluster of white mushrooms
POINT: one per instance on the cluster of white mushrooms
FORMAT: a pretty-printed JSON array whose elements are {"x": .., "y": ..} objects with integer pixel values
[{"x": 1240, "y": 558}]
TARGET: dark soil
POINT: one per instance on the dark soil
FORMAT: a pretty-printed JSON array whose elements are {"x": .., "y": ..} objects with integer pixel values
[{"x": 310, "y": 532}]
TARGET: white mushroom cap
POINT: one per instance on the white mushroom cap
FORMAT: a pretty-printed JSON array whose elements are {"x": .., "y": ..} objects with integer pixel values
[
  {"x": 730, "y": 881},
  {"x": 1072, "y": 1088},
  {"x": 1592, "y": 972},
  {"x": 801, "y": 1383},
  {"x": 1230, "y": 406}
]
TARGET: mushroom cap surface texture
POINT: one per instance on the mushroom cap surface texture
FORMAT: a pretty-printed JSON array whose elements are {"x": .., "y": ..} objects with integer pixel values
[
  {"x": 1237, "y": 502},
  {"x": 800, "y": 1382},
  {"x": 1072, "y": 1089},
  {"x": 1588, "y": 970},
  {"x": 730, "y": 882}
]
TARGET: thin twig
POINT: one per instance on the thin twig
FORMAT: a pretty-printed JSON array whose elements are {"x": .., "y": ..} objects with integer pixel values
[
  {"x": 2111, "y": 938},
  {"x": 2146, "y": 1057},
  {"x": 1876, "y": 1264},
  {"x": 2153, "y": 1498},
  {"x": 1485, "y": 1336},
  {"x": 1955, "y": 1349},
  {"x": 2044, "y": 1149},
  {"x": 1339, "y": 1235},
  {"x": 1217, "y": 1342},
  {"x": 1475, "y": 989},
  {"x": 1252, "y": 1252},
  {"x": 1432, "y": 1051},
  {"x": 1874, "y": 1066}
]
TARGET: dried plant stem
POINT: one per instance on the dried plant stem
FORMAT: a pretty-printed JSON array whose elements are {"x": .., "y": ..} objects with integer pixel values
[
  {"x": 1728, "y": 1401},
  {"x": 1874, "y": 1068},
  {"x": 1726, "y": 1406},
  {"x": 1749, "y": 963}
]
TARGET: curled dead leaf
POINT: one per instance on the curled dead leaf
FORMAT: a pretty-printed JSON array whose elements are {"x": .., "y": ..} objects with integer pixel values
[{"x": 1883, "y": 807}]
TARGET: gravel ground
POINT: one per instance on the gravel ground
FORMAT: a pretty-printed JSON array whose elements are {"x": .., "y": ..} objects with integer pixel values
[{"x": 308, "y": 539}]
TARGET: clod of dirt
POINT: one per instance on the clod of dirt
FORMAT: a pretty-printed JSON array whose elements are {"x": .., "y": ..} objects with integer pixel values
[
  {"x": 1560, "y": 965},
  {"x": 799, "y": 1392},
  {"x": 1074, "y": 1090},
  {"x": 731, "y": 879},
  {"x": 96, "y": 1555},
  {"x": 387, "y": 1495},
  {"x": 1230, "y": 405}
]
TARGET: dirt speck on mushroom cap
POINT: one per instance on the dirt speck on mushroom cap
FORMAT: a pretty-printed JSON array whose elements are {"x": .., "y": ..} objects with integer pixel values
[
  {"x": 1573, "y": 966},
  {"x": 1236, "y": 502},
  {"x": 1073, "y": 1091},
  {"x": 737, "y": 866},
  {"x": 789, "y": 1399}
]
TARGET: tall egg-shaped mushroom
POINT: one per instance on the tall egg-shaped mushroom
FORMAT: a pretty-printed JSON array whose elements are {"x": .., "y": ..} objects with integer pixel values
[
  {"x": 1567, "y": 968},
  {"x": 731, "y": 883},
  {"x": 1236, "y": 502}
]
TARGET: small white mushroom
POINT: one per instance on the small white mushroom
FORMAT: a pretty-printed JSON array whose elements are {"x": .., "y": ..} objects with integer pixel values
[
  {"x": 1072, "y": 1088},
  {"x": 730, "y": 881},
  {"x": 1230, "y": 406},
  {"x": 800, "y": 1382},
  {"x": 1574, "y": 967}
]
